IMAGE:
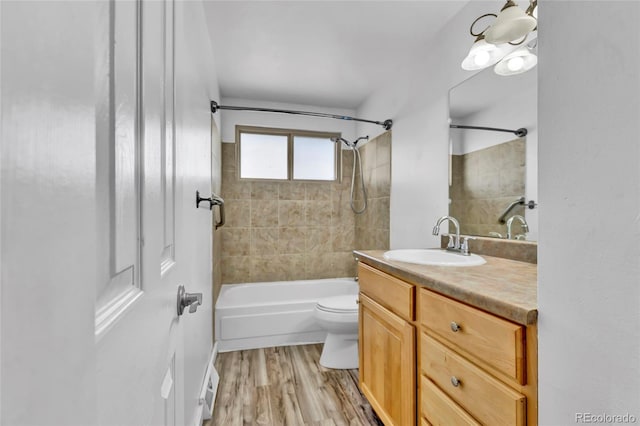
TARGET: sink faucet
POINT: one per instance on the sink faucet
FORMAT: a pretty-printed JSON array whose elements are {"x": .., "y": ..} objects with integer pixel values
[
  {"x": 454, "y": 240},
  {"x": 523, "y": 222}
]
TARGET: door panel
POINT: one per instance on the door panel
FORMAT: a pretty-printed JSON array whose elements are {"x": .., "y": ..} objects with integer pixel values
[{"x": 118, "y": 165}]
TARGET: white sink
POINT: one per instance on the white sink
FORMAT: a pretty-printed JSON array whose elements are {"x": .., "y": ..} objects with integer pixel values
[{"x": 437, "y": 257}]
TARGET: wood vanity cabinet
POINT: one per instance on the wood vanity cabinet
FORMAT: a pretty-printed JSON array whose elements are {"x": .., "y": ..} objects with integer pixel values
[
  {"x": 388, "y": 346},
  {"x": 427, "y": 359}
]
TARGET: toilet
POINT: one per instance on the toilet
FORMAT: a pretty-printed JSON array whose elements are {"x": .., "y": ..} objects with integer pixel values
[{"x": 339, "y": 316}]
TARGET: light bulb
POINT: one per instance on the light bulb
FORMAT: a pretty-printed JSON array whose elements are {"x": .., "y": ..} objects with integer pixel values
[
  {"x": 515, "y": 63},
  {"x": 482, "y": 58}
]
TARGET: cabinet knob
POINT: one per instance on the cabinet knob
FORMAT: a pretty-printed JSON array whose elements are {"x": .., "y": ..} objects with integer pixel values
[
  {"x": 455, "y": 327},
  {"x": 455, "y": 382}
]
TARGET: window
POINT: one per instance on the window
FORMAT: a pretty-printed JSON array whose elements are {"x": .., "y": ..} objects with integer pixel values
[{"x": 279, "y": 154}]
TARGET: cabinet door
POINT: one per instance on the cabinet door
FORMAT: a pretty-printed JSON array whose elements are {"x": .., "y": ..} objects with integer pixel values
[{"x": 387, "y": 363}]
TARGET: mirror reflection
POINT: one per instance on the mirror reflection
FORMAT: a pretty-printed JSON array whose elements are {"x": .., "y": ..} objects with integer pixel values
[{"x": 493, "y": 174}]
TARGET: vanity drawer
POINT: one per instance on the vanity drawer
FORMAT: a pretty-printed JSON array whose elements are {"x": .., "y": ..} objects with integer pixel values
[
  {"x": 392, "y": 293},
  {"x": 493, "y": 340},
  {"x": 439, "y": 408},
  {"x": 483, "y": 396}
]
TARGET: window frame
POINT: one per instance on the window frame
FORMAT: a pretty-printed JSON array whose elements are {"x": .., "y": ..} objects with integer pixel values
[{"x": 290, "y": 133}]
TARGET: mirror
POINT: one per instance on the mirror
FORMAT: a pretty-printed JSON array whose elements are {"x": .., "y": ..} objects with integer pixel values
[{"x": 490, "y": 170}]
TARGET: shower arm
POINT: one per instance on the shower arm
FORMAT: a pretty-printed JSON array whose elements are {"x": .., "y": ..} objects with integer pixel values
[
  {"x": 387, "y": 124},
  {"x": 521, "y": 132},
  {"x": 518, "y": 202}
]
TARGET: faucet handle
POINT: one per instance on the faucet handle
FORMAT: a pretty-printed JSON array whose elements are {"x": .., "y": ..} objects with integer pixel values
[
  {"x": 451, "y": 243},
  {"x": 464, "y": 247}
]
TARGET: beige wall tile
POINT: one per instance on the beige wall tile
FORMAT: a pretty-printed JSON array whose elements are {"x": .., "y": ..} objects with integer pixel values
[
  {"x": 342, "y": 238},
  {"x": 264, "y": 213},
  {"x": 291, "y": 191},
  {"x": 267, "y": 268},
  {"x": 236, "y": 241},
  {"x": 344, "y": 264},
  {"x": 238, "y": 213},
  {"x": 318, "y": 240},
  {"x": 264, "y": 190},
  {"x": 383, "y": 149},
  {"x": 292, "y": 240},
  {"x": 293, "y": 264},
  {"x": 318, "y": 266},
  {"x": 291, "y": 213},
  {"x": 236, "y": 270},
  {"x": 264, "y": 241},
  {"x": 235, "y": 190},
  {"x": 294, "y": 230},
  {"x": 318, "y": 213},
  {"x": 318, "y": 191}
]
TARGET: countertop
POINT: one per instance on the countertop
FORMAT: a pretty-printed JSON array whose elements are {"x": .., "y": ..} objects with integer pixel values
[{"x": 506, "y": 288}]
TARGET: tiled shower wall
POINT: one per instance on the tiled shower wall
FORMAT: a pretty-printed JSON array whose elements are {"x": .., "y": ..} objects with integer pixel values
[
  {"x": 279, "y": 231},
  {"x": 372, "y": 226},
  {"x": 484, "y": 183}
]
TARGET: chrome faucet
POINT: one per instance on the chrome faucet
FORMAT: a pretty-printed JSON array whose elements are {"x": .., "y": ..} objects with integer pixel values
[
  {"x": 523, "y": 222},
  {"x": 454, "y": 240}
]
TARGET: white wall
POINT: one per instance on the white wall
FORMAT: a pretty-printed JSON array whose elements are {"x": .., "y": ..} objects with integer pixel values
[
  {"x": 285, "y": 121},
  {"x": 589, "y": 247},
  {"x": 417, "y": 100}
]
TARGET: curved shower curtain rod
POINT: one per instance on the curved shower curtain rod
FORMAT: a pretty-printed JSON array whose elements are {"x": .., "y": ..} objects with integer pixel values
[
  {"x": 386, "y": 123},
  {"x": 521, "y": 132}
]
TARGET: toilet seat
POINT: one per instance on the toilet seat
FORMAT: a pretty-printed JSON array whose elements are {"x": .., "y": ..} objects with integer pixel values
[{"x": 346, "y": 304}]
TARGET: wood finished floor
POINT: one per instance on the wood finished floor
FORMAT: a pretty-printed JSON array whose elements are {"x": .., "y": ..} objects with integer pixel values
[{"x": 287, "y": 386}]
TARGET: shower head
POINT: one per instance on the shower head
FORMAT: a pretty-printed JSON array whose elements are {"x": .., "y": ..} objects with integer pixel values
[{"x": 353, "y": 144}]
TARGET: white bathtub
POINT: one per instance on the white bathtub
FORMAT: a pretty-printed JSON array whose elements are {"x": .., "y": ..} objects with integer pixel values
[{"x": 261, "y": 315}]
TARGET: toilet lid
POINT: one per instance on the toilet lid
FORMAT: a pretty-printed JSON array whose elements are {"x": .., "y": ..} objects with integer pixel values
[{"x": 346, "y": 303}]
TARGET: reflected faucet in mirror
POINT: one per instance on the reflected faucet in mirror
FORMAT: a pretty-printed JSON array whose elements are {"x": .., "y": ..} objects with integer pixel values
[{"x": 523, "y": 223}]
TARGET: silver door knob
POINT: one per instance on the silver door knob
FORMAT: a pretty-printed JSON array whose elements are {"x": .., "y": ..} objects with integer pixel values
[
  {"x": 455, "y": 327},
  {"x": 192, "y": 300}
]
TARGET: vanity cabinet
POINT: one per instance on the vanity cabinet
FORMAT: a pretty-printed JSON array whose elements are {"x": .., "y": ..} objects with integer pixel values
[
  {"x": 428, "y": 359},
  {"x": 387, "y": 346}
]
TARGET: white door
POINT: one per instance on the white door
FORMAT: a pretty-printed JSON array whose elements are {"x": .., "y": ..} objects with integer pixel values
[
  {"x": 99, "y": 225},
  {"x": 149, "y": 171}
]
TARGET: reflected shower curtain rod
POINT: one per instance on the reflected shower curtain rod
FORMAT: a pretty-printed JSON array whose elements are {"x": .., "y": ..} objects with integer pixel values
[
  {"x": 521, "y": 132},
  {"x": 387, "y": 124}
]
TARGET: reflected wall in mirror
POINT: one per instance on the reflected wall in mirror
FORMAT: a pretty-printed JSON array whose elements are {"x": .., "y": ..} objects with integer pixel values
[{"x": 489, "y": 170}]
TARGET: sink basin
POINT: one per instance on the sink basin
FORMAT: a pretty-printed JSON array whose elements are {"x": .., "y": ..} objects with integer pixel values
[{"x": 436, "y": 257}]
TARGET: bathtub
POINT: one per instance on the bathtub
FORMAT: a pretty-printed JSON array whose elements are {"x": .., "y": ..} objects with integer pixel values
[{"x": 260, "y": 315}]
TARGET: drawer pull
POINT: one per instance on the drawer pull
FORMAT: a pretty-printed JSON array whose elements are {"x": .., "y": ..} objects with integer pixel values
[
  {"x": 455, "y": 382},
  {"x": 455, "y": 327}
]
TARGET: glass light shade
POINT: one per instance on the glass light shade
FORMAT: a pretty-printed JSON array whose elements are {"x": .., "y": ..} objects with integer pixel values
[
  {"x": 511, "y": 24},
  {"x": 517, "y": 62},
  {"x": 482, "y": 55}
]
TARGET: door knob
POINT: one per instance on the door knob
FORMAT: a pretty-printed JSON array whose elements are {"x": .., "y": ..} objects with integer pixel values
[{"x": 192, "y": 300}]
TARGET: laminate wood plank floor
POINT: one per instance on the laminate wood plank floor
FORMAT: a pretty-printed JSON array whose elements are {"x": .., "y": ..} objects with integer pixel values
[{"x": 287, "y": 386}]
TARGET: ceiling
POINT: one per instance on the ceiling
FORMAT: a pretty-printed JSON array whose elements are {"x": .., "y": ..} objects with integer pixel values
[{"x": 324, "y": 53}]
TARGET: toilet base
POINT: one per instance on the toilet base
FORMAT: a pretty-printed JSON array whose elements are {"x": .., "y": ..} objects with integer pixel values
[{"x": 340, "y": 351}]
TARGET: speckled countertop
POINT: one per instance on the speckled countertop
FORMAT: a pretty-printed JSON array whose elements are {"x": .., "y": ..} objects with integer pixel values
[{"x": 504, "y": 287}]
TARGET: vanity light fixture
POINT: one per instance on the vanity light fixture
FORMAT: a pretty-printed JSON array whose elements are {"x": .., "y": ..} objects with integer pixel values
[
  {"x": 511, "y": 24},
  {"x": 517, "y": 62},
  {"x": 482, "y": 54},
  {"x": 512, "y": 27}
]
